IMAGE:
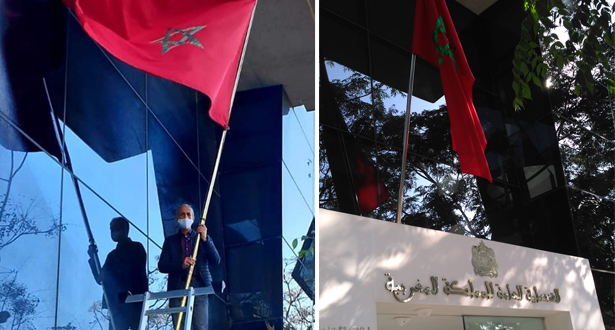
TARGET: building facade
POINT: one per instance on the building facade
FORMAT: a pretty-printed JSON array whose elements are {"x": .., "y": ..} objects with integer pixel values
[
  {"x": 552, "y": 163},
  {"x": 85, "y": 138}
]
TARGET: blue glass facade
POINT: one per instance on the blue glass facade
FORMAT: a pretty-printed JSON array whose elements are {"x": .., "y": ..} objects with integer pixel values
[{"x": 139, "y": 146}]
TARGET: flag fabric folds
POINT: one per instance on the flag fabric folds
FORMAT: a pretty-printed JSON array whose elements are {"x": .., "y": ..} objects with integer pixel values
[
  {"x": 435, "y": 39},
  {"x": 195, "y": 43}
]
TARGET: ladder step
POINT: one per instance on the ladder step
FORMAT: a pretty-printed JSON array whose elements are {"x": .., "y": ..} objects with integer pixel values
[
  {"x": 171, "y": 310},
  {"x": 170, "y": 294}
]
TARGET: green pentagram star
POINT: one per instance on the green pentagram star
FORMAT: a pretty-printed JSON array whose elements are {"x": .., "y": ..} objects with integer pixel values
[
  {"x": 187, "y": 39},
  {"x": 446, "y": 50}
]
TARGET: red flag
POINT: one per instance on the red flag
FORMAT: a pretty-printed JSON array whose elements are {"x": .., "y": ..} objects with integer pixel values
[
  {"x": 194, "y": 43},
  {"x": 436, "y": 40},
  {"x": 370, "y": 193}
]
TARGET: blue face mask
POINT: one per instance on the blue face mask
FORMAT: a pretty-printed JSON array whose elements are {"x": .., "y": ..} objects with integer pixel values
[{"x": 185, "y": 223}]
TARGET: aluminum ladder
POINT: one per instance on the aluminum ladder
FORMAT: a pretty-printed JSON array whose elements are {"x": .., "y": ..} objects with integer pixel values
[{"x": 148, "y": 297}]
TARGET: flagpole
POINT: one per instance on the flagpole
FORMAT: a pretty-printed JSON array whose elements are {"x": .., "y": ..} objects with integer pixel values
[
  {"x": 216, "y": 165},
  {"x": 400, "y": 201}
]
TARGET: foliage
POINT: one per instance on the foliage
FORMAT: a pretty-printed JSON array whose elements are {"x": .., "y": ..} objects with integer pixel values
[
  {"x": 437, "y": 195},
  {"x": 15, "y": 298},
  {"x": 585, "y": 131},
  {"x": 298, "y": 311},
  {"x": 17, "y": 220},
  {"x": 590, "y": 34}
]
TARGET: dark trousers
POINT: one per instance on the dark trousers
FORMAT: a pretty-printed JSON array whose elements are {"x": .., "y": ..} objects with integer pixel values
[
  {"x": 126, "y": 316},
  {"x": 200, "y": 312}
]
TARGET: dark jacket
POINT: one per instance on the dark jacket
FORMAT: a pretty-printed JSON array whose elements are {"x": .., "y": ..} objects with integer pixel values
[
  {"x": 124, "y": 270},
  {"x": 172, "y": 258}
]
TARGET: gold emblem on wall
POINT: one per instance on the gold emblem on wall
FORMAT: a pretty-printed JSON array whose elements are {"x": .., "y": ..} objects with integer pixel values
[{"x": 483, "y": 260}]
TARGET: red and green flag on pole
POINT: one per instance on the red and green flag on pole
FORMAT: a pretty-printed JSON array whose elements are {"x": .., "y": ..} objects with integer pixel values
[
  {"x": 435, "y": 39},
  {"x": 195, "y": 43}
]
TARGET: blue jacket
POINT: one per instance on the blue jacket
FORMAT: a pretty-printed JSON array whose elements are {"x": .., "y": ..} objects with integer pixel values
[{"x": 172, "y": 257}]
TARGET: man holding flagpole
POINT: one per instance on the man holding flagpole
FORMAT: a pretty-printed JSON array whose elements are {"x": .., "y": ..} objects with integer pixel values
[
  {"x": 176, "y": 260},
  {"x": 199, "y": 44}
]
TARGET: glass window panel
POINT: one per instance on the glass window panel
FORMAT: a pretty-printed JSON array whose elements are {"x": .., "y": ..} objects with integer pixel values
[
  {"x": 430, "y": 134},
  {"x": 259, "y": 325},
  {"x": 296, "y": 216},
  {"x": 258, "y": 189},
  {"x": 605, "y": 283},
  {"x": 297, "y": 153},
  {"x": 502, "y": 323},
  {"x": 298, "y": 306},
  {"x": 81, "y": 299},
  {"x": 175, "y": 175},
  {"x": 121, "y": 183},
  {"x": 308, "y": 122},
  {"x": 440, "y": 197},
  {"x": 174, "y": 109},
  {"x": 258, "y": 296},
  {"x": 593, "y": 224},
  {"x": 551, "y": 224},
  {"x": 30, "y": 223},
  {"x": 588, "y": 159},
  {"x": 350, "y": 173},
  {"x": 347, "y": 100}
]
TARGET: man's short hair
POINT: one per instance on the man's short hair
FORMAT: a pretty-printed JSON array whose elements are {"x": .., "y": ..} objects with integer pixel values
[
  {"x": 185, "y": 204},
  {"x": 121, "y": 223}
]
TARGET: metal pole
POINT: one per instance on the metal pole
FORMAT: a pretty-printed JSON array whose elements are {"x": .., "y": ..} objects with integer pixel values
[
  {"x": 215, "y": 171},
  {"x": 400, "y": 201},
  {"x": 93, "y": 248}
]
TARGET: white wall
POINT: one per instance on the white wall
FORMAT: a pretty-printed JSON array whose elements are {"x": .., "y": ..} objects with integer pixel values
[{"x": 356, "y": 252}]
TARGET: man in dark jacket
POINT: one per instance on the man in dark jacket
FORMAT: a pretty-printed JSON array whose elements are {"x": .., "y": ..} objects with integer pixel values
[
  {"x": 122, "y": 274},
  {"x": 176, "y": 259}
]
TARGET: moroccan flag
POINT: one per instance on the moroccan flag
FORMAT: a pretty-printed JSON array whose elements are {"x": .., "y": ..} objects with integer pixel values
[
  {"x": 197, "y": 43},
  {"x": 436, "y": 40}
]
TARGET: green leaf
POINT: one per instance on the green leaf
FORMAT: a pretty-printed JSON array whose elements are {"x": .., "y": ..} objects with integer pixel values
[
  {"x": 534, "y": 62},
  {"x": 302, "y": 253},
  {"x": 523, "y": 68},
  {"x": 577, "y": 90},
  {"x": 537, "y": 81},
  {"x": 560, "y": 62},
  {"x": 542, "y": 69},
  {"x": 525, "y": 91},
  {"x": 515, "y": 87},
  {"x": 295, "y": 242},
  {"x": 518, "y": 104},
  {"x": 612, "y": 89},
  {"x": 533, "y": 44},
  {"x": 590, "y": 85},
  {"x": 528, "y": 77}
]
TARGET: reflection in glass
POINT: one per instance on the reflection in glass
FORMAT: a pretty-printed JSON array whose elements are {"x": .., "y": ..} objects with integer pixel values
[
  {"x": 30, "y": 226},
  {"x": 605, "y": 286},
  {"x": 502, "y": 323},
  {"x": 81, "y": 298},
  {"x": 594, "y": 223},
  {"x": 255, "y": 297},
  {"x": 588, "y": 160}
]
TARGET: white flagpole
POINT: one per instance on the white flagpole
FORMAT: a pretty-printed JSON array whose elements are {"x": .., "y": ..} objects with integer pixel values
[
  {"x": 216, "y": 164},
  {"x": 400, "y": 201}
]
